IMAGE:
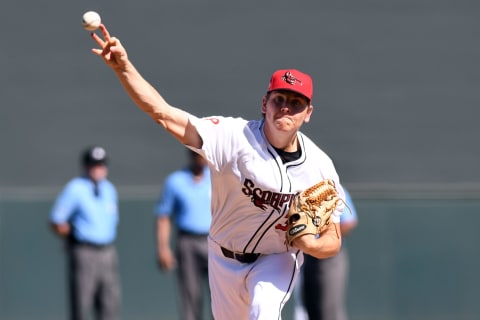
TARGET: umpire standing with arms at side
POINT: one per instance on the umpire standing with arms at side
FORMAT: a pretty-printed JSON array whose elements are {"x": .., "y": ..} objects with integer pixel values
[
  {"x": 186, "y": 196},
  {"x": 85, "y": 215}
]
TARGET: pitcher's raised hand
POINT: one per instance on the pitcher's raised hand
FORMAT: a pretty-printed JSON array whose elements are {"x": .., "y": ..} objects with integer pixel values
[{"x": 111, "y": 50}]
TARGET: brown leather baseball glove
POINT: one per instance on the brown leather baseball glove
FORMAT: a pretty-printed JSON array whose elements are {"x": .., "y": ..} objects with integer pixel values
[{"x": 311, "y": 210}]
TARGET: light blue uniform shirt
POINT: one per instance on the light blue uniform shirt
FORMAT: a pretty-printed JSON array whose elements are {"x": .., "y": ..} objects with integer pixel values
[
  {"x": 348, "y": 215},
  {"x": 188, "y": 200},
  {"x": 93, "y": 218}
]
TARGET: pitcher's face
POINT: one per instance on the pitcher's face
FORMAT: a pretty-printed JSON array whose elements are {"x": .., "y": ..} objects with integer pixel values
[{"x": 286, "y": 110}]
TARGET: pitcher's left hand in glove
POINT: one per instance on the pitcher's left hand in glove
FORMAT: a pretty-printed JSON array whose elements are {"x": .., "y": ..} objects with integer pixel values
[{"x": 311, "y": 210}]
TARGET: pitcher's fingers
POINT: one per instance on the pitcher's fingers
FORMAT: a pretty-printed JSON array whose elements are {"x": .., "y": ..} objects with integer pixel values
[
  {"x": 106, "y": 34},
  {"x": 98, "y": 40},
  {"x": 98, "y": 52}
]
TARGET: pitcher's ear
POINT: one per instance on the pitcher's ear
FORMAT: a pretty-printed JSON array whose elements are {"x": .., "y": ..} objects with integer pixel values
[
  {"x": 264, "y": 104},
  {"x": 309, "y": 114}
]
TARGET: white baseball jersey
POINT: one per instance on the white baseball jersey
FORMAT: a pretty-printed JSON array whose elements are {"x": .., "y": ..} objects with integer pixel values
[{"x": 252, "y": 187}]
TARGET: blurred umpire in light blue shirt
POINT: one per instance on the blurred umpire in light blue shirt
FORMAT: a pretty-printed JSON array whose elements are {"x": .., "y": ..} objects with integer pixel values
[
  {"x": 186, "y": 198},
  {"x": 85, "y": 216}
]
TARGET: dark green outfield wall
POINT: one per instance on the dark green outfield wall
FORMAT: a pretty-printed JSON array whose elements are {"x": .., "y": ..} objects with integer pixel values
[{"x": 411, "y": 260}]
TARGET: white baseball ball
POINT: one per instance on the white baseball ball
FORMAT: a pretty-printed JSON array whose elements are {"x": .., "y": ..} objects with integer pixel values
[{"x": 91, "y": 20}]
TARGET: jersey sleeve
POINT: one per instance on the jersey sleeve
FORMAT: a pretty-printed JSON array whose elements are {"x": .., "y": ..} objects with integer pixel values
[
  {"x": 64, "y": 205},
  {"x": 328, "y": 171},
  {"x": 339, "y": 211},
  {"x": 220, "y": 137},
  {"x": 166, "y": 202}
]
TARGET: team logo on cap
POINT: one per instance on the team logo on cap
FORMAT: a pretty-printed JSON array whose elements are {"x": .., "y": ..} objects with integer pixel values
[
  {"x": 289, "y": 78},
  {"x": 98, "y": 153}
]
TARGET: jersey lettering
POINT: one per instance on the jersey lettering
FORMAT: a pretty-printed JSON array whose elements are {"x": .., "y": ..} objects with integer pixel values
[
  {"x": 214, "y": 120},
  {"x": 264, "y": 198},
  {"x": 282, "y": 226}
]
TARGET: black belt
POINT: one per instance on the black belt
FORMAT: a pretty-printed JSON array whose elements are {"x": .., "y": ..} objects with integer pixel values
[
  {"x": 91, "y": 244},
  {"x": 241, "y": 257},
  {"x": 192, "y": 234}
]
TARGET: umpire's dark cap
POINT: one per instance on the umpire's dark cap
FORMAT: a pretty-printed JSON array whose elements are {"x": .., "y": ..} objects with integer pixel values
[{"x": 93, "y": 156}]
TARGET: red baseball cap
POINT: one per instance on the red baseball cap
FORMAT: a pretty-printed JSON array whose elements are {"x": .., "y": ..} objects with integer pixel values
[{"x": 292, "y": 80}]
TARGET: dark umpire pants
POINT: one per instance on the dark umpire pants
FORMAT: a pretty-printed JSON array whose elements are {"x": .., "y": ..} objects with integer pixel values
[
  {"x": 324, "y": 286},
  {"x": 94, "y": 282},
  {"x": 192, "y": 274}
]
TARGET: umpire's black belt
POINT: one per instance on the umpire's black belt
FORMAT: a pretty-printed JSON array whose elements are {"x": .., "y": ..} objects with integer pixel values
[
  {"x": 91, "y": 244},
  {"x": 192, "y": 234},
  {"x": 241, "y": 257}
]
